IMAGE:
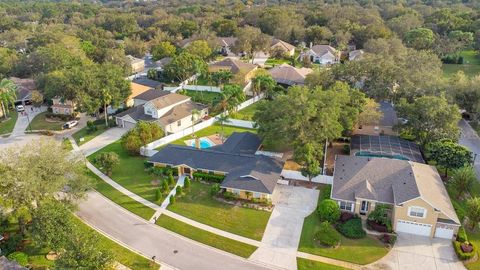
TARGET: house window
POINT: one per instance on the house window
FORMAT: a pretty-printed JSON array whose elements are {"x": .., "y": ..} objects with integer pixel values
[
  {"x": 256, "y": 195},
  {"x": 236, "y": 191},
  {"x": 416, "y": 211},
  {"x": 179, "y": 123},
  {"x": 347, "y": 206}
]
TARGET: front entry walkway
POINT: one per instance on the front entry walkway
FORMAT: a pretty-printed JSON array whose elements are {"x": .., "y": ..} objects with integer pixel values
[
  {"x": 419, "y": 252},
  {"x": 282, "y": 235}
]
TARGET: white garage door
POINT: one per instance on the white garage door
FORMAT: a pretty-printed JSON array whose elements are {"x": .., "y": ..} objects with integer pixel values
[
  {"x": 444, "y": 233},
  {"x": 414, "y": 228},
  {"x": 128, "y": 125}
]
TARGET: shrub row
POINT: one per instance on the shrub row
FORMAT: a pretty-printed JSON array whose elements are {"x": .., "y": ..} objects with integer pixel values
[
  {"x": 62, "y": 117},
  {"x": 352, "y": 228},
  {"x": 208, "y": 177},
  {"x": 461, "y": 254},
  {"x": 327, "y": 235},
  {"x": 376, "y": 227}
]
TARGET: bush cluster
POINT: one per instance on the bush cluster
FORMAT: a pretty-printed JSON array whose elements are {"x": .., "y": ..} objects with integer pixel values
[
  {"x": 62, "y": 117},
  {"x": 328, "y": 210},
  {"x": 462, "y": 255},
  {"x": 91, "y": 127},
  {"x": 388, "y": 239},
  {"x": 352, "y": 228},
  {"x": 346, "y": 216},
  {"x": 327, "y": 235},
  {"x": 208, "y": 177},
  {"x": 20, "y": 257}
]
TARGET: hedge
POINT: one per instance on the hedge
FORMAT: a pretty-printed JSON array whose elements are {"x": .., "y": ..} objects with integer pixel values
[
  {"x": 462, "y": 235},
  {"x": 462, "y": 255},
  {"x": 20, "y": 257},
  {"x": 352, "y": 229},
  {"x": 208, "y": 177}
]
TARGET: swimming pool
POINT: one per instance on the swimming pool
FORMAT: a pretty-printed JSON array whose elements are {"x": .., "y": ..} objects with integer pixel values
[
  {"x": 372, "y": 154},
  {"x": 204, "y": 143}
]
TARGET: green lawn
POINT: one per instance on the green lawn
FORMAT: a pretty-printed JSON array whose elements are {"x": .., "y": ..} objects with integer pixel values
[
  {"x": 83, "y": 133},
  {"x": 360, "y": 251},
  {"x": 200, "y": 206},
  {"x": 119, "y": 198},
  {"x": 248, "y": 112},
  {"x": 203, "y": 97},
  {"x": 6, "y": 126},
  {"x": 211, "y": 130},
  {"x": 207, "y": 238},
  {"x": 130, "y": 172},
  {"x": 67, "y": 145},
  {"x": 39, "y": 123},
  {"x": 120, "y": 253},
  {"x": 304, "y": 264},
  {"x": 470, "y": 66},
  {"x": 272, "y": 62}
]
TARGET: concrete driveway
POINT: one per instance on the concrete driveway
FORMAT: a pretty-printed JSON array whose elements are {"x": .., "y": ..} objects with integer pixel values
[
  {"x": 282, "y": 235},
  {"x": 418, "y": 252},
  {"x": 102, "y": 140}
]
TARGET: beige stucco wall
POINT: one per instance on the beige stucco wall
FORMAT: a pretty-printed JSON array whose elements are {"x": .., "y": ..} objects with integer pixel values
[
  {"x": 243, "y": 194},
  {"x": 401, "y": 212}
]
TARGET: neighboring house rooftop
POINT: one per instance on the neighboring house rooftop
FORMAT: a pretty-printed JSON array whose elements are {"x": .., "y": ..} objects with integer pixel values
[
  {"x": 24, "y": 87},
  {"x": 323, "y": 49},
  {"x": 226, "y": 41},
  {"x": 286, "y": 74},
  {"x": 245, "y": 170},
  {"x": 137, "y": 89},
  {"x": 384, "y": 145},
  {"x": 151, "y": 94},
  {"x": 166, "y": 100},
  {"x": 235, "y": 66},
  {"x": 5, "y": 264},
  {"x": 134, "y": 60},
  {"x": 389, "y": 118},
  {"x": 285, "y": 45},
  {"x": 147, "y": 82},
  {"x": 390, "y": 181},
  {"x": 355, "y": 55}
]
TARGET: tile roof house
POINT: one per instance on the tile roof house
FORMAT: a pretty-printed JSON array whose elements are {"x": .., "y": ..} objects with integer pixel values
[
  {"x": 278, "y": 44},
  {"x": 322, "y": 54},
  {"x": 136, "y": 64},
  {"x": 355, "y": 55},
  {"x": 246, "y": 174},
  {"x": 171, "y": 111},
  {"x": 288, "y": 75},
  {"x": 243, "y": 71},
  {"x": 420, "y": 203}
]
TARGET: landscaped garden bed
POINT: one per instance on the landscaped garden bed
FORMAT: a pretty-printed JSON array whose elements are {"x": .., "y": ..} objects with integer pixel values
[
  {"x": 200, "y": 205},
  {"x": 361, "y": 251}
]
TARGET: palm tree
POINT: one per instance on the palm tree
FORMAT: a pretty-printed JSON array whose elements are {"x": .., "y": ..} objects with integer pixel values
[
  {"x": 195, "y": 114},
  {"x": 223, "y": 118},
  {"x": 106, "y": 98},
  {"x": 462, "y": 180},
  {"x": 8, "y": 94}
]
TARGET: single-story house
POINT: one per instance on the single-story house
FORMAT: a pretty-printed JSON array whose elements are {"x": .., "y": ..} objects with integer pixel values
[
  {"x": 287, "y": 48},
  {"x": 63, "y": 106},
  {"x": 136, "y": 64},
  {"x": 420, "y": 203},
  {"x": 171, "y": 111},
  {"x": 147, "y": 82},
  {"x": 355, "y": 55},
  {"x": 247, "y": 175},
  {"x": 24, "y": 90},
  {"x": 243, "y": 71},
  {"x": 225, "y": 44},
  {"x": 322, "y": 54},
  {"x": 287, "y": 75}
]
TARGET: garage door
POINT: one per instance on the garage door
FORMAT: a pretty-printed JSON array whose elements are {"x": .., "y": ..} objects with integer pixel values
[
  {"x": 446, "y": 233},
  {"x": 414, "y": 228}
]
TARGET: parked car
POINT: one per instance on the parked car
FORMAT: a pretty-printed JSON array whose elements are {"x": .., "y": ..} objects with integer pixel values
[
  {"x": 20, "y": 108},
  {"x": 70, "y": 124},
  {"x": 403, "y": 121}
]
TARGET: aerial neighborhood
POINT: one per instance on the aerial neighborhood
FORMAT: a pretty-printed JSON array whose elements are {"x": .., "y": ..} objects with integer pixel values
[{"x": 212, "y": 135}]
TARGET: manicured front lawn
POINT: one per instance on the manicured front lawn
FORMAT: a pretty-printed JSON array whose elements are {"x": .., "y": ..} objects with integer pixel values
[
  {"x": 211, "y": 130},
  {"x": 119, "y": 198},
  {"x": 83, "y": 133},
  {"x": 272, "y": 62},
  {"x": 40, "y": 123},
  {"x": 6, "y": 126},
  {"x": 120, "y": 253},
  {"x": 200, "y": 206},
  {"x": 360, "y": 251},
  {"x": 207, "y": 238},
  {"x": 130, "y": 172},
  {"x": 304, "y": 264},
  {"x": 248, "y": 112},
  {"x": 203, "y": 97}
]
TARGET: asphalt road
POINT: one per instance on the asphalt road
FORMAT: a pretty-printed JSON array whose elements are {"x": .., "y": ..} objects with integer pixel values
[
  {"x": 152, "y": 240},
  {"x": 470, "y": 139}
]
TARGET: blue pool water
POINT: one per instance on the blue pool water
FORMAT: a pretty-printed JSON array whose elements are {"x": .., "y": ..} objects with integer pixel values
[{"x": 204, "y": 143}]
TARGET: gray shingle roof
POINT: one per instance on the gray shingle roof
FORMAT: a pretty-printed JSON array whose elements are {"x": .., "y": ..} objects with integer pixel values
[
  {"x": 151, "y": 94},
  {"x": 240, "y": 143},
  {"x": 389, "y": 181},
  {"x": 148, "y": 82},
  {"x": 251, "y": 172}
]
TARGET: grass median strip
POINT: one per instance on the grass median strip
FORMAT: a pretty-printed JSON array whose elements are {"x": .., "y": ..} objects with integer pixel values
[
  {"x": 207, "y": 238},
  {"x": 304, "y": 264},
  {"x": 121, "y": 199}
]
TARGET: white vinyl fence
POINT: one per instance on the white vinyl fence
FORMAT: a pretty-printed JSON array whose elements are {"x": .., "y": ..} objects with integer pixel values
[
  {"x": 203, "y": 88},
  {"x": 296, "y": 175},
  {"x": 240, "y": 123}
]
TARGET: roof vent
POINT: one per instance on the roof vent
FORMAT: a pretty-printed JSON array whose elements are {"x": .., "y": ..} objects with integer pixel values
[{"x": 404, "y": 183}]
